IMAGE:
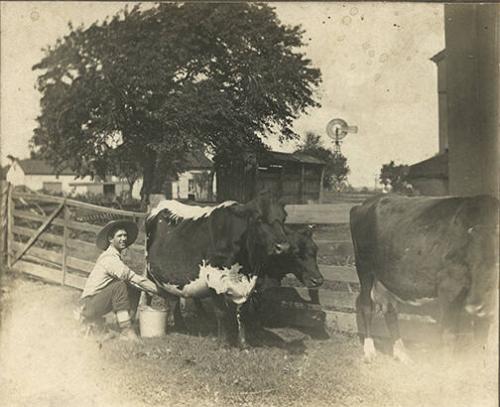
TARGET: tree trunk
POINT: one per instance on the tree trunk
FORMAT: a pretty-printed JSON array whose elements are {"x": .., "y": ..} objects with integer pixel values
[{"x": 148, "y": 172}]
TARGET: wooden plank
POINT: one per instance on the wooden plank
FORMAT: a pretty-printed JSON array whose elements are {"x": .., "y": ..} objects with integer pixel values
[
  {"x": 46, "y": 237},
  {"x": 4, "y": 219},
  {"x": 346, "y": 274},
  {"x": 414, "y": 330},
  {"x": 42, "y": 254},
  {"x": 78, "y": 204},
  {"x": 80, "y": 265},
  {"x": 32, "y": 216},
  {"x": 39, "y": 231},
  {"x": 319, "y": 213},
  {"x": 10, "y": 226},
  {"x": 328, "y": 299},
  {"x": 75, "y": 225},
  {"x": 346, "y": 301},
  {"x": 65, "y": 244},
  {"x": 49, "y": 274}
]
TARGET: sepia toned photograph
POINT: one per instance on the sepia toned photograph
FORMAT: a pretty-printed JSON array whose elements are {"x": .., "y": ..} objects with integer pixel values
[{"x": 243, "y": 204}]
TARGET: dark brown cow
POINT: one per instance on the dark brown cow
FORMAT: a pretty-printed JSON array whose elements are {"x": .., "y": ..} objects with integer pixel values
[
  {"x": 300, "y": 260},
  {"x": 196, "y": 252},
  {"x": 417, "y": 249}
]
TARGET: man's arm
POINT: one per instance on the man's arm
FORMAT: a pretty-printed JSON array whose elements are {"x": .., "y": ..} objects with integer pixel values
[{"x": 118, "y": 269}]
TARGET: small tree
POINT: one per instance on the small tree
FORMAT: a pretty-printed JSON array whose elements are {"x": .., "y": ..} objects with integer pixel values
[
  {"x": 336, "y": 169},
  {"x": 395, "y": 176}
]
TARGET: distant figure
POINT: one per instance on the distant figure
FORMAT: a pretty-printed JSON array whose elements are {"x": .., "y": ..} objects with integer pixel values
[
  {"x": 15, "y": 173},
  {"x": 387, "y": 188}
]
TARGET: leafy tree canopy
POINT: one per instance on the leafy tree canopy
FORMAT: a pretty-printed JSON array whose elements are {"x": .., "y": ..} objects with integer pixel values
[
  {"x": 147, "y": 85},
  {"x": 395, "y": 176},
  {"x": 336, "y": 169}
]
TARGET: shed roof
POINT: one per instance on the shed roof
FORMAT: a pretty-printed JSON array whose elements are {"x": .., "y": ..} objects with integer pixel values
[
  {"x": 439, "y": 56},
  {"x": 41, "y": 167},
  {"x": 434, "y": 167},
  {"x": 269, "y": 157},
  {"x": 197, "y": 160}
]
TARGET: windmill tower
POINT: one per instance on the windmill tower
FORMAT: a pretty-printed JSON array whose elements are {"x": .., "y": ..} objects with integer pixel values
[{"x": 337, "y": 130}]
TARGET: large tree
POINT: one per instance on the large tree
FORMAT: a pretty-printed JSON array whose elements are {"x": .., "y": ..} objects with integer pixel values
[
  {"x": 154, "y": 83},
  {"x": 336, "y": 169}
]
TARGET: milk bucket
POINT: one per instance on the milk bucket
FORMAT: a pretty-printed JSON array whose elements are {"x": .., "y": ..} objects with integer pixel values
[{"x": 152, "y": 322}]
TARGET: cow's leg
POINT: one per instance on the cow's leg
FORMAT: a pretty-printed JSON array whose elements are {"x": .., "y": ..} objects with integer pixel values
[
  {"x": 240, "y": 318},
  {"x": 173, "y": 303},
  {"x": 364, "y": 309},
  {"x": 221, "y": 314},
  {"x": 451, "y": 299},
  {"x": 398, "y": 347}
]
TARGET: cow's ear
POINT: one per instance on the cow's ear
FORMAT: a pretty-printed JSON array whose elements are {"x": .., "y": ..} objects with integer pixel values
[
  {"x": 308, "y": 231},
  {"x": 242, "y": 211}
]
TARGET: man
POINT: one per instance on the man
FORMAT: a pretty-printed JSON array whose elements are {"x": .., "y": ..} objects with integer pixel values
[{"x": 111, "y": 285}]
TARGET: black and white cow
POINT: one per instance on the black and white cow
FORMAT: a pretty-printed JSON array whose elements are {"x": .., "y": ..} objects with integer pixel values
[
  {"x": 414, "y": 250},
  {"x": 197, "y": 252}
]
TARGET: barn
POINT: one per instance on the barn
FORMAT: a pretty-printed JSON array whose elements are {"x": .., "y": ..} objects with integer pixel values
[
  {"x": 467, "y": 162},
  {"x": 296, "y": 177}
]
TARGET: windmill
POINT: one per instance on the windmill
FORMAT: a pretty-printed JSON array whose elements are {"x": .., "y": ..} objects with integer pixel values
[{"x": 337, "y": 130}]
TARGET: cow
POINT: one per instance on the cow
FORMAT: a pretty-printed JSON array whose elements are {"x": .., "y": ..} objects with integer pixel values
[
  {"x": 415, "y": 250},
  {"x": 197, "y": 252},
  {"x": 300, "y": 260}
]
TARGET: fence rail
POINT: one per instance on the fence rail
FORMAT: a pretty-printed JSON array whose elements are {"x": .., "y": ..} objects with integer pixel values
[{"x": 64, "y": 253}]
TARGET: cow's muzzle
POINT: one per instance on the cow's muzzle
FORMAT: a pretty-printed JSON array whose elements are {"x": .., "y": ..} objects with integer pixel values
[
  {"x": 315, "y": 282},
  {"x": 281, "y": 248}
]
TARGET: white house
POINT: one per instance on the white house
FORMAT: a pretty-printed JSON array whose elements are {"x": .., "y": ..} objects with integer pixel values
[
  {"x": 196, "y": 183},
  {"x": 39, "y": 175}
]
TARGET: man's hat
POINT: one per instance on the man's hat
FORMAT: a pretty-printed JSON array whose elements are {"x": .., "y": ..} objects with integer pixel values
[{"x": 102, "y": 240}]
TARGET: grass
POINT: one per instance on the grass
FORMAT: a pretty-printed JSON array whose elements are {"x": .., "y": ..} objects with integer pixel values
[{"x": 43, "y": 357}]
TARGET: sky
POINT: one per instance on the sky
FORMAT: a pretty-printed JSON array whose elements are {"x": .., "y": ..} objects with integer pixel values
[{"x": 374, "y": 59}]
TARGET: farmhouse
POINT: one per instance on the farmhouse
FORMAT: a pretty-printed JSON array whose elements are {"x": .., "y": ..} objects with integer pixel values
[
  {"x": 40, "y": 175},
  {"x": 195, "y": 183}
]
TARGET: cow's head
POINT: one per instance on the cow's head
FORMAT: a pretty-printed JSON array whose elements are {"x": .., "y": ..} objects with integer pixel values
[
  {"x": 482, "y": 258},
  {"x": 300, "y": 260},
  {"x": 265, "y": 225}
]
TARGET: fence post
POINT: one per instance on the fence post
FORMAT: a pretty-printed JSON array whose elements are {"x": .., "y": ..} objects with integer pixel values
[
  {"x": 321, "y": 191},
  {"x": 3, "y": 239},
  {"x": 10, "y": 225},
  {"x": 65, "y": 243}
]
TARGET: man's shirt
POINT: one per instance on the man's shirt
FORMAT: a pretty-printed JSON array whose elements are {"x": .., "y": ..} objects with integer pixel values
[{"x": 109, "y": 267}]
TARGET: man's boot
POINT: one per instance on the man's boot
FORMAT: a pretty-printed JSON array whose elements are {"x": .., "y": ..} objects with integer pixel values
[{"x": 125, "y": 324}]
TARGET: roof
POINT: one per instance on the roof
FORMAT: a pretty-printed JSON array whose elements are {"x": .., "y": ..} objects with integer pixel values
[
  {"x": 270, "y": 157},
  {"x": 439, "y": 56},
  {"x": 41, "y": 167},
  {"x": 197, "y": 160},
  {"x": 434, "y": 167}
]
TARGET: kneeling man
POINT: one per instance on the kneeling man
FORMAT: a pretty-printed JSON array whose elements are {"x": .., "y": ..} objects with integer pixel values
[{"x": 112, "y": 285}]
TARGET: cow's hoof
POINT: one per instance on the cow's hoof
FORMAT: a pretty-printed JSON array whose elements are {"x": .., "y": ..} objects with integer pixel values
[
  {"x": 369, "y": 350},
  {"x": 400, "y": 354},
  {"x": 244, "y": 346}
]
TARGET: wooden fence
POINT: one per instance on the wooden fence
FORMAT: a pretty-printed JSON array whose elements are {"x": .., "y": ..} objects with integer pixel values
[{"x": 52, "y": 238}]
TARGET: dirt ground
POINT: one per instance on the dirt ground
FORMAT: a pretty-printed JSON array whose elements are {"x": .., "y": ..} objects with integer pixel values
[{"x": 44, "y": 361}]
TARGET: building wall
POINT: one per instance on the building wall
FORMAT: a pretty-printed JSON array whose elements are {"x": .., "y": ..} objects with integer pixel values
[
  {"x": 180, "y": 188},
  {"x": 471, "y": 33},
  {"x": 430, "y": 186},
  {"x": 35, "y": 182},
  {"x": 442, "y": 106}
]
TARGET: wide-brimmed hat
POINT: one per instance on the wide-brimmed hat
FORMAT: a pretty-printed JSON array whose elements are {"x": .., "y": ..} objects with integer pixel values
[{"x": 102, "y": 240}]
